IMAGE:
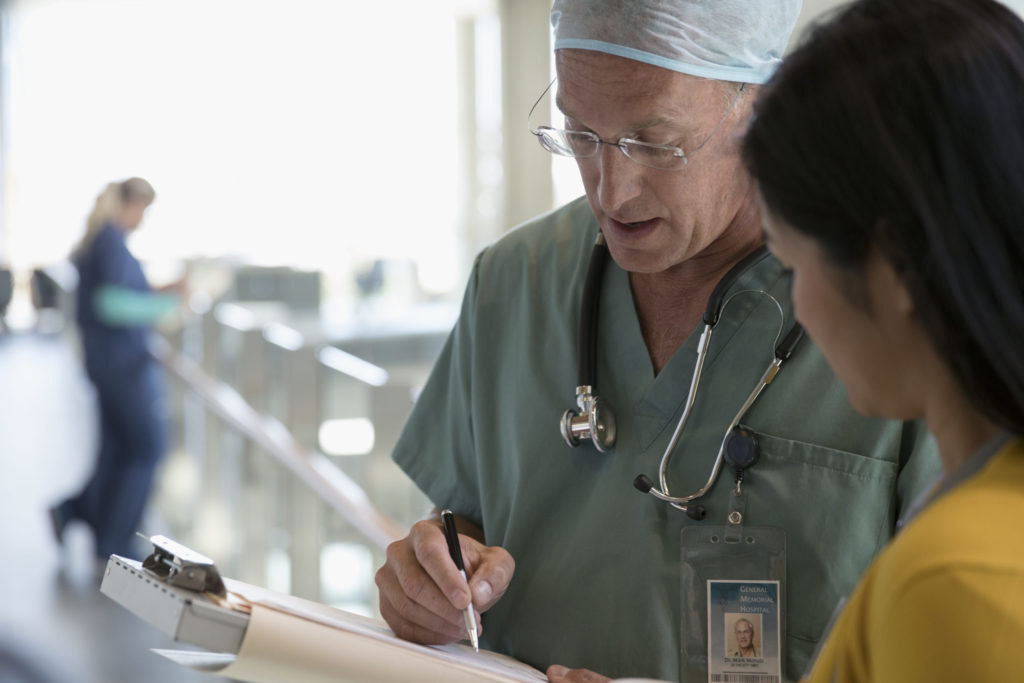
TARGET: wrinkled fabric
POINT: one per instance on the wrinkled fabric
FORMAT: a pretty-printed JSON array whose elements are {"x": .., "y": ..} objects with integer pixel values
[{"x": 728, "y": 40}]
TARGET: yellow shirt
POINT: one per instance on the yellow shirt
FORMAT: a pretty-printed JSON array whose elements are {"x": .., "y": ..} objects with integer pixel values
[{"x": 945, "y": 601}]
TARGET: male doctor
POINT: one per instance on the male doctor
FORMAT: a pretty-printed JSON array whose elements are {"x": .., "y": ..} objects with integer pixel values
[{"x": 568, "y": 564}]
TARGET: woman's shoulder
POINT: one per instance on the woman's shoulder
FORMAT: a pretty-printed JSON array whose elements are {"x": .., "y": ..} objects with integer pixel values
[
  {"x": 108, "y": 237},
  {"x": 973, "y": 529},
  {"x": 104, "y": 250}
]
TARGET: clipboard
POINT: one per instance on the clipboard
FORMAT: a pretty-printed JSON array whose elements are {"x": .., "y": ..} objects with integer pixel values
[
  {"x": 258, "y": 635},
  {"x": 184, "y": 615}
]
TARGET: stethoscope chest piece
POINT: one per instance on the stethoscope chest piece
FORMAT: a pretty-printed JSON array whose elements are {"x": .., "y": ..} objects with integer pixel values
[{"x": 594, "y": 420}]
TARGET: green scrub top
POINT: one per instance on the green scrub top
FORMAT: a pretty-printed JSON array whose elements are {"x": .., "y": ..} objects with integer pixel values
[{"x": 597, "y": 579}]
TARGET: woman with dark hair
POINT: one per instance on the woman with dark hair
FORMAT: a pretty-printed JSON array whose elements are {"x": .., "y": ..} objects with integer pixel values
[
  {"x": 115, "y": 308},
  {"x": 889, "y": 150}
]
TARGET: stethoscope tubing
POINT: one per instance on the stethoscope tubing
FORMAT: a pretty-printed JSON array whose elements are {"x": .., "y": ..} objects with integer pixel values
[
  {"x": 587, "y": 424},
  {"x": 712, "y": 314},
  {"x": 783, "y": 351}
]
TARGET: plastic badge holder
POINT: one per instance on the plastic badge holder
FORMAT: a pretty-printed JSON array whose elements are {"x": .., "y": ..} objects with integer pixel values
[{"x": 718, "y": 554}]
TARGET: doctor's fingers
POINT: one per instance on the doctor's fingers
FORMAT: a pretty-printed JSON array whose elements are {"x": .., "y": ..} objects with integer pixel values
[
  {"x": 412, "y": 621},
  {"x": 431, "y": 550},
  {"x": 561, "y": 674},
  {"x": 490, "y": 570},
  {"x": 419, "y": 568}
]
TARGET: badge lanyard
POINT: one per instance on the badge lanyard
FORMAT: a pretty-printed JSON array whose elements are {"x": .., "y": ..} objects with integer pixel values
[{"x": 733, "y": 591}]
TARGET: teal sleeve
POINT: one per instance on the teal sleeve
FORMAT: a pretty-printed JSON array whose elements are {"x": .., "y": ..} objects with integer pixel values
[
  {"x": 436, "y": 447},
  {"x": 121, "y": 306}
]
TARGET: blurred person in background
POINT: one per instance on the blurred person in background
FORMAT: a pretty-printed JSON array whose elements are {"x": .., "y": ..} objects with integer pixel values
[
  {"x": 116, "y": 308},
  {"x": 24, "y": 658}
]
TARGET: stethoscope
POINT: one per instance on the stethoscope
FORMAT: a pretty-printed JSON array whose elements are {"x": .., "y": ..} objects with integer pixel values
[{"x": 594, "y": 419}]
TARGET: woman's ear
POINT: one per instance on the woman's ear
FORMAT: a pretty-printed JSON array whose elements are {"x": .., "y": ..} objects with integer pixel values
[{"x": 888, "y": 288}]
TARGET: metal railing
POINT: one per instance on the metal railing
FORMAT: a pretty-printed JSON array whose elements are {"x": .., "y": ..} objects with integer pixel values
[
  {"x": 249, "y": 483},
  {"x": 267, "y": 433}
]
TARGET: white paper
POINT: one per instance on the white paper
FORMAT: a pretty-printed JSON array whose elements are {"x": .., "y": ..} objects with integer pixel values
[
  {"x": 200, "y": 660},
  {"x": 289, "y": 638}
]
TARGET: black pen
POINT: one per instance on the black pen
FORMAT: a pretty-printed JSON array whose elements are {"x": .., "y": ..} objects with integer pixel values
[{"x": 455, "y": 550}]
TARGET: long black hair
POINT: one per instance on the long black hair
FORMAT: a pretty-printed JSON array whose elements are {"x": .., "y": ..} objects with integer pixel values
[{"x": 898, "y": 126}]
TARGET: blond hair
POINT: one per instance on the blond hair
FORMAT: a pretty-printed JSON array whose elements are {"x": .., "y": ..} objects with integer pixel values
[{"x": 109, "y": 203}]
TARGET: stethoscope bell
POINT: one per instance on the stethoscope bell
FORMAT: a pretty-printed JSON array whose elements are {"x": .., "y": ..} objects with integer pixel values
[{"x": 593, "y": 421}]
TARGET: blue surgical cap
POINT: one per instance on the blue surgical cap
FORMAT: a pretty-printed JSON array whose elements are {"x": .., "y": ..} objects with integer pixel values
[{"x": 726, "y": 40}]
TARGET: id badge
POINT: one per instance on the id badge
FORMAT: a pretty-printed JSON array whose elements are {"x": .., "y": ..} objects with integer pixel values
[
  {"x": 744, "y": 636},
  {"x": 733, "y": 604}
]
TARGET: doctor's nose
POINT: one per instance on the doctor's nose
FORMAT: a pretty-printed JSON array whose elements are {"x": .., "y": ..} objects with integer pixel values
[{"x": 620, "y": 178}]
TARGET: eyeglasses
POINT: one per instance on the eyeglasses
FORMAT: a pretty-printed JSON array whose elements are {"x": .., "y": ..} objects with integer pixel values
[{"x": 580, "y": 144}]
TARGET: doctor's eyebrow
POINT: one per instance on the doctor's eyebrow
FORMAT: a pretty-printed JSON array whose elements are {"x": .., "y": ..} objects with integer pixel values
[{"x": 684, "y": 128}]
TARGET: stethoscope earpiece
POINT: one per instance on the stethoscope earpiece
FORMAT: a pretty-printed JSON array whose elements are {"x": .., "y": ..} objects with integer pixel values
[{"x": 643, "y": 484}]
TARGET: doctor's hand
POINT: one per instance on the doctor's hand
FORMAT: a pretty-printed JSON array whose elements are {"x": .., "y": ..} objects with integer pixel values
[
  {"x": 560, "y": 674},
  {"x": 423, "y": 595}
]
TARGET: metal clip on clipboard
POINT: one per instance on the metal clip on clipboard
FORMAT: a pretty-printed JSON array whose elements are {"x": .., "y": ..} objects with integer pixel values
[
  {"x": 180, "y": 592},
  {"x": 180, "y": 566}
]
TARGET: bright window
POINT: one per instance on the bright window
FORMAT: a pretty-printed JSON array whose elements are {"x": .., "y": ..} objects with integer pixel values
[{"x": 312, "y": 133}]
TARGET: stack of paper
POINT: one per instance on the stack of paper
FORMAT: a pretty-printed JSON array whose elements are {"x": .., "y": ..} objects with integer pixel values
[{"x": 291, "y": 639}]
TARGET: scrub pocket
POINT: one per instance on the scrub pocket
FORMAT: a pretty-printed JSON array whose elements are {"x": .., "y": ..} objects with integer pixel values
[{"x": 838, "y": 510}]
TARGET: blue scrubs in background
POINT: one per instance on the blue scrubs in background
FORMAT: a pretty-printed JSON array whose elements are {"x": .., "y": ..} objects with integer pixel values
[{"x": 115, "y": 307}]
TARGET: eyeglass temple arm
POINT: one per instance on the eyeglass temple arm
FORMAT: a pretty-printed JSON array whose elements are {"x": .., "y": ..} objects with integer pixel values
[{"x": 529, "y": 117}]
